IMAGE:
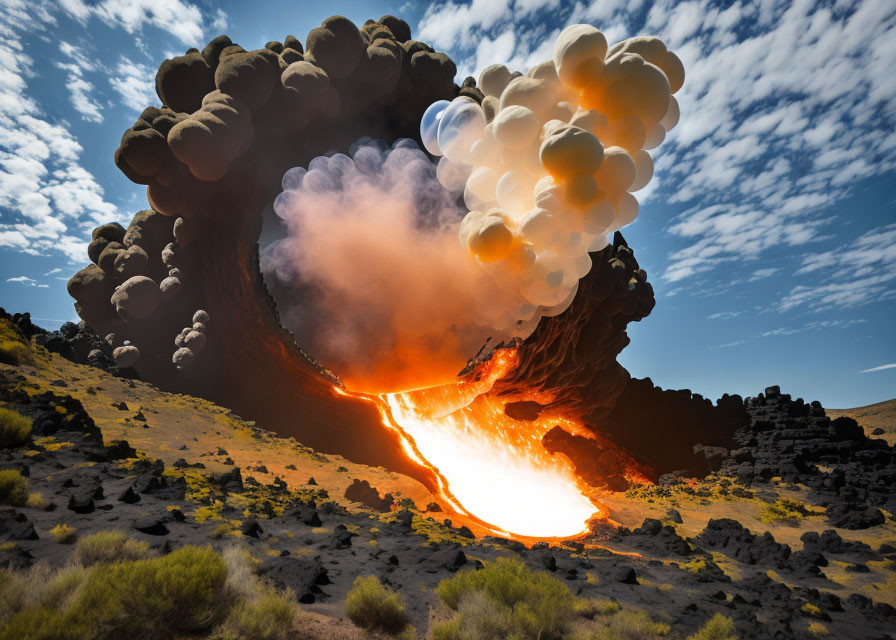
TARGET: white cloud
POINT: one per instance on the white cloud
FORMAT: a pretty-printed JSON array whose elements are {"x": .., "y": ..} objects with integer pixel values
[
  {"x": 28, "y": 282},
  {"x": 135, "y": 84},
  {"x": 75, "y": 64},
  {"x": 724, "y": 315},
  {"x": 455, "y": 23},
  {"x": 854, "y": 274},
  {"x": 760, "y": 274},
  {"x": 48, "y": 200},
  {"x": 183, "y": 20},
  {"x": 880, "y": 368}
]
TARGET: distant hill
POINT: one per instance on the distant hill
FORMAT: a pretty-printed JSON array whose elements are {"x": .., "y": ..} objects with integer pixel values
[{"x": 874, "y": 416}]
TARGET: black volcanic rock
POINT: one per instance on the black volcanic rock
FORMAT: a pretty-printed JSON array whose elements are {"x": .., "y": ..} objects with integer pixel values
[
  {"x": 733, "y": 539},
  {"x": 303, "y": 575},
  {"x": 361, "y": 491},
  {"x": 849, "y": 474}
]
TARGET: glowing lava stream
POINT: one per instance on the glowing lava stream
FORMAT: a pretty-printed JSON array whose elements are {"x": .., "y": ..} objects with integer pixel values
[{"x": 490, "y": 466}]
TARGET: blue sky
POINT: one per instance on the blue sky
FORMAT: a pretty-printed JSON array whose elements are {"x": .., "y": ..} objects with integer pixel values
[{"x": 768, "y": 232}]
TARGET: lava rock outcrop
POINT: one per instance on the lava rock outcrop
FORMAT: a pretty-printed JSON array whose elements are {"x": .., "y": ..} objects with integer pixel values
[{"x": 850, "y": 474}]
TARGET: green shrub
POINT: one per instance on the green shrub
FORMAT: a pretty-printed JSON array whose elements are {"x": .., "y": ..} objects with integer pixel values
[
  {"x": 181, "y": 590},
  {"x": 719, "y": 627},
  {"x": 15, "y": 429},
  {"x": 190, "y": 592},
  {"x": 178, "y": 594},
  {"x": 505, "y": 599},
  {"x": 268, "y": 616},
  {"x": 371, "y": 605},
  {"x": 593, "y": 608},
  {"x": 13, "y": 488},
  {"x": 105, "y": 547},
  {"x": 630, "y": 625},
  {"x": 63, "y": 533}
]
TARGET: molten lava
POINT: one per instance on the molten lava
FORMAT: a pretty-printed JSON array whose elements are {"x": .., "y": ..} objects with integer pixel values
[{"x": 490, "y": 467}]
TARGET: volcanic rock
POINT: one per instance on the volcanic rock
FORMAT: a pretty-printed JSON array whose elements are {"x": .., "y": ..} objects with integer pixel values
[
  {"x": 361, "y": 491},
  {"x": 151, "y": 526}
]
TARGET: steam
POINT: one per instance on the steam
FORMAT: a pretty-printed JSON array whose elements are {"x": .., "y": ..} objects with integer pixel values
[
  {"x": 398, "y": 303},
  {"x": 405, "y": 283}
]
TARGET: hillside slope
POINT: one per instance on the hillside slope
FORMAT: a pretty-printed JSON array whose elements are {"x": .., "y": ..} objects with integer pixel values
[{"x": 881, "y": 415}]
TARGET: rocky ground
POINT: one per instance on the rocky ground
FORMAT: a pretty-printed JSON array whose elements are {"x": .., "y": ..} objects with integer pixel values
[
  {"x": 878, "y": 420},
  {"x": 794, "y": 527}
]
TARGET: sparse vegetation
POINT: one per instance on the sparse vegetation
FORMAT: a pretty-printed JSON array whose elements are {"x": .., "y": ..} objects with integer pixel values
[
  {"x": 191, "y": 590},
  {"x": 373, "y": 606},
  {"x": 36, "y": 501},
  {"x": 107, "y": 547},
  {"x": 14, "y": 348},
  {"x": 13, "y": 488},
  {"x": 817, "y": 629},
  {"x": 787, "y": 511},
  {"x": 592, "y": 608},
  {"x": 63, "y": 533},
  {"x": 266, "y": 616},
  {"x": 629, "y": 624},
  {"x": 15, "y": 429},
  {"x": 810, "y": 609},
  {"x": 505, "y": 599},
  {"x": 718, "y": 627}
]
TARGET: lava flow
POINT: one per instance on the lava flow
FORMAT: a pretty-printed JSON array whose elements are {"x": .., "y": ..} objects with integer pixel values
[{"x": 489, "y": 466}]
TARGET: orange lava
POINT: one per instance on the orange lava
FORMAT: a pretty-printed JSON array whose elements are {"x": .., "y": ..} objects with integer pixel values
[{"x": 490, "y": 467}]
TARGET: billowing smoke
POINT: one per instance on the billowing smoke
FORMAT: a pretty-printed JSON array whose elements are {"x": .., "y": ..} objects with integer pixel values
[
  {"x": 405, "y": 283},
  {"x": 397, "y": 302},
  {"x": 547, "y": 162}
]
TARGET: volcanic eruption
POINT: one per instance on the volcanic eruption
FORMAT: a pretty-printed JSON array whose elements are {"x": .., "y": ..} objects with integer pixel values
[{"x": 394, "y": 269}]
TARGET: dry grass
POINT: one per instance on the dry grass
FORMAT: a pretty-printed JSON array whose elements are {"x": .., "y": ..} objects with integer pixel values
[
  {"x": 15, "y": 429},
  {"x": 63, "y": 533}
]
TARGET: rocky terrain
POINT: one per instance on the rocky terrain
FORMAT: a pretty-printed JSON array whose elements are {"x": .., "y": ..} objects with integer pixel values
[
  {"x": 878, "y": 420},
  {"x": 792, "y": 528}
]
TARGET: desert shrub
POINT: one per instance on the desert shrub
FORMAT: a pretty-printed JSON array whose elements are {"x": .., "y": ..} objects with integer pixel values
[
  {"x": 179, "y": 592},
  {"x": 718, "y": 627},
  {"x": 506, "y": 599},
  {"x": 13, "y": 488},
  {"x": 63, "y": 533},
  {"x": 591, "y": 608},
  {"x": 630, "y": 624},
  {"x": 787, "y": 511},
  {"x": 371, "y": 605},
  {"x": 176, "y": 594},
  {"x": 36, "y": 501},
  {"x": 185, "y": 593},
  {"x": 817, "y": 629},
  {"x": 106, "y": 547},
  {"x": 810, "y": 609},
  {"x": 15, "y": 429},
  {"x": 267, "y": 616}
]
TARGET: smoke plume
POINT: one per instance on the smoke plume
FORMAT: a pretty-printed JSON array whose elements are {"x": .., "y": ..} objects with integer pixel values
[
  {"x": 372, "y": 240},
  {"x": 406, "y": 283}
]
